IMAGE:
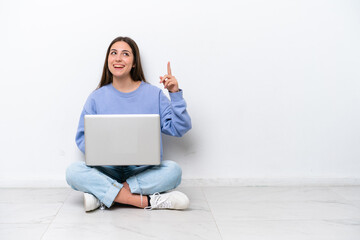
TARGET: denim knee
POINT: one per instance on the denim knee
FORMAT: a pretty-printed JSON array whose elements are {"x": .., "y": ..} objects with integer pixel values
[
  {"x": 174, "y": 171},
  {"x": 73, "y": 171}
]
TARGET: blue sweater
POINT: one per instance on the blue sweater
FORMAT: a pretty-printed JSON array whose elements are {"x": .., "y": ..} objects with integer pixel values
[{"x": 146, "y": 99}]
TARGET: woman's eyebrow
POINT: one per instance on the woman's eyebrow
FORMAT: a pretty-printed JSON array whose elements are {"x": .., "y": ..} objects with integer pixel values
[{"x": 121, "y": 50}]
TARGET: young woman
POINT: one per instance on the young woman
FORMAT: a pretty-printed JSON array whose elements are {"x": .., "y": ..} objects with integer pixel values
[{"x": 124, "y": 90}]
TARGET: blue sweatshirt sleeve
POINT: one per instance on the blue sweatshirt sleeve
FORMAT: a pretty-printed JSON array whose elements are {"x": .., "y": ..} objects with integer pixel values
[
  {"x": 174, "y": 118},
  {"x": 89, "y": 108}
]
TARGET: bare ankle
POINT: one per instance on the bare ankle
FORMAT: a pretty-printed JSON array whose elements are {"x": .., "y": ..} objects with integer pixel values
[
  {"x": 126, "y": 197},
  {"x": 126, "y": 185}
]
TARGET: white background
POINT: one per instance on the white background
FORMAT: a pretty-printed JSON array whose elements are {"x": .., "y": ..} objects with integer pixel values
[{"x": 273, "y": 87}]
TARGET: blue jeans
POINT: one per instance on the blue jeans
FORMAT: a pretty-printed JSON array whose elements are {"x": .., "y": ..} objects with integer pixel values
[{"x": 105, "y": 182}]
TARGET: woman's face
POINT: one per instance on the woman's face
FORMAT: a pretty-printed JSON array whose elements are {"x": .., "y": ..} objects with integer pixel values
[{"x": 120, "y": 60}]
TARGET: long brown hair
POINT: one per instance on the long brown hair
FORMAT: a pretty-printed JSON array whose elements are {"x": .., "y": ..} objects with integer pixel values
[{"x": 136, "y": 72}]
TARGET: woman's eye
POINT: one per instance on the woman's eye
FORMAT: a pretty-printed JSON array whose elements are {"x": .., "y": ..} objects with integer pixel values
[
  {"x": 113, "y": 53},
  {"x": 126, "y": 54}
]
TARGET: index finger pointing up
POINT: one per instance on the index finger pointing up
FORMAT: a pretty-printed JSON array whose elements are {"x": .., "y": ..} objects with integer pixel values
[{"x": 168, "y": 68}]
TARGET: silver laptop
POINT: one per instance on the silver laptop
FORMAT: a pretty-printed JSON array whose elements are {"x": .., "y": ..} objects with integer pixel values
[{"x": 122, "y": 139}]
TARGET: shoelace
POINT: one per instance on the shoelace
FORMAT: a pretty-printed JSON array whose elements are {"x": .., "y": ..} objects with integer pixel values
[{"x": 159, "y": 202}]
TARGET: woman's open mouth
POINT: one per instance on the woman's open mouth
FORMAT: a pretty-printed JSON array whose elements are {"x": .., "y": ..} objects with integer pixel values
[{"x": 118, "y": 66}]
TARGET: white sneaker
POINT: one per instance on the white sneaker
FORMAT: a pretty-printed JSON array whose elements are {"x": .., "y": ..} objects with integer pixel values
[
  {"x": 90, "y": 202},
  {"x": 171, "y": 200}
]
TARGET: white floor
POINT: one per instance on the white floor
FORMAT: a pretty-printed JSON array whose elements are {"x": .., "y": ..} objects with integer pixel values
[{"x": 215, "y": 213}]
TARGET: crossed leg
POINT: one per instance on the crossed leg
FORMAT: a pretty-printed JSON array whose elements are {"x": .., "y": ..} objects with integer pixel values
[{"x": 126, "y": 197}]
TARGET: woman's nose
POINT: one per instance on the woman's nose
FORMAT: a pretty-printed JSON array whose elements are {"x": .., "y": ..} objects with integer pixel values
[{"x": 118, "y": 58}]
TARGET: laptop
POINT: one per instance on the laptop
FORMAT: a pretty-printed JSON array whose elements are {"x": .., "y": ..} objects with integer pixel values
[{"x": 122, "y": 139}]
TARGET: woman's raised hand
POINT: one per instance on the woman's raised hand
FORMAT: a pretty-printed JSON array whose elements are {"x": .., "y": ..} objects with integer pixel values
[{"x": 169, "y": 81}]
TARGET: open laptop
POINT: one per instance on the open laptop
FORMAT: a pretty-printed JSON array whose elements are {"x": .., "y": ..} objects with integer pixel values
[{"x": 119, "y": 139}]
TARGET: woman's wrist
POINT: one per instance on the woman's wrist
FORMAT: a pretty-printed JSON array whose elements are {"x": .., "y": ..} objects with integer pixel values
[{"x": 174, "y": 91}]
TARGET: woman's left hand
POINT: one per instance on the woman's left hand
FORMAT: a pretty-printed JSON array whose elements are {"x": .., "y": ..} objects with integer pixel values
[{"x": 169, "y": 81}]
